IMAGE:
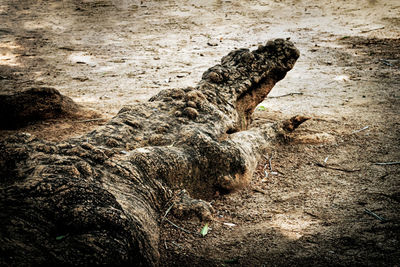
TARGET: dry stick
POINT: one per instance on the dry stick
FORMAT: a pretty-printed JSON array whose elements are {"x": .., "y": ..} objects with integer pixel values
[
  {"x": 375, "y": 215},
  {"x": 180, "y": 228},
  {"x": 362, "y": 129},
  {"x": 259, "y": 191},
  {"x": 373, "y": 29},
  {"x": 99, "y": 119},
  {"x": 387, "y": 63},
  {"x": 176, "y": 244},
  {"x": 270, "y": 161},
  {"x": 291, "y": 94},
  {"x": 170, "y": 200},
  {"x": 266, "y": 174},
  {"x": 166, "y": 212},
  {"x": 311, "y": 214},
  {"x": 335, "y": 168},
  {"x": 387, "y": 163}
]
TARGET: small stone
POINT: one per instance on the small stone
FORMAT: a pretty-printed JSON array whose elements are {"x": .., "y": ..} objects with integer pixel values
[
  {"x": 195, "y": 96},
  {"x": 192, "y": 104},
  {"x": 256, "y": 79},
  {"x": 156, "y": 139},
  {"x": 212, "y": 43},
  {"x": 191, "y": 112},
  {"x": 215, "y": 77},
  {"x": 111, "y": 142}
]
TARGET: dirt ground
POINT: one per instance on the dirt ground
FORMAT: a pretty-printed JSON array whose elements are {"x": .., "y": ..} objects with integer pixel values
[{"x": 330, "y": 196}]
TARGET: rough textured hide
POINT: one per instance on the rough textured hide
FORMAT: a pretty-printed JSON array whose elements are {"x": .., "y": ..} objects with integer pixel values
[{"x": 97, "y": 199}]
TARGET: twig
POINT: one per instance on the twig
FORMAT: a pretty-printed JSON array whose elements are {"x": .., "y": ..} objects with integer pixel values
[
  {"x": 176, "y": 244},
  {"x": 98, "y": 119},
  {"x": 335, "y": 168},
  {"x": 270, "y": 161},
  {"x": 362, "y": 129},
  {"x": 311, "y": 214},
  {"x": 373, "y": 29},
  {"x": 173, "y": 197},
  {"x": 270, "y": 171},
  {"x": 374, "y": 215},
  {"x": 266, "y": 174},
  {"x": 180, "y": 228},
  {"x": 387, "y": 163},
  {"x": 387, "y": 63},
  {"x": 171, "y": 145},
  {"x": 166, "y": 212},
  {"x": 291, "y": 94},
  {"x": 259, "y": 191}
]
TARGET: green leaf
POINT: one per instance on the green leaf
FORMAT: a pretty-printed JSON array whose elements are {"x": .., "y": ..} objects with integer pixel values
[
  {"x": 60, "y": 237},
  {"x": 344, "y": 37},
  {"x": 204, "y": 231},
  {"x": 262, "y": 108}
]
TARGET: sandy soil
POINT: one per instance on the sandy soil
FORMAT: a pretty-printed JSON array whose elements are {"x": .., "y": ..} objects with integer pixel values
[{"x": 310, "y": 206}]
